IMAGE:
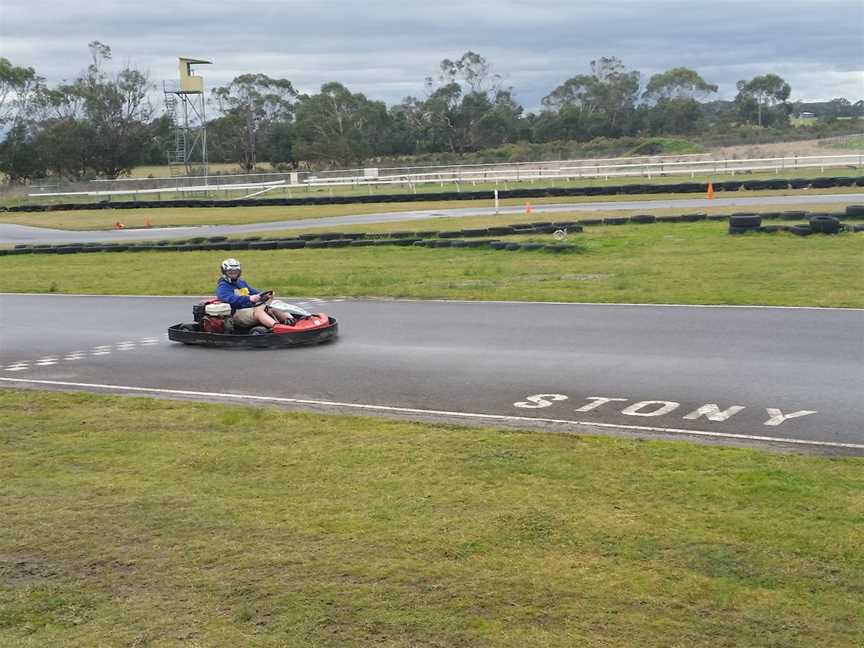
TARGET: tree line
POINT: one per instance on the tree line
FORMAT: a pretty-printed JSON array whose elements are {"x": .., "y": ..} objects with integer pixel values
[{"x": 104, "y": 124}]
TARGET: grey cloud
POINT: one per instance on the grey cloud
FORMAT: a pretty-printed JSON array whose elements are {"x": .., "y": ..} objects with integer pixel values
[{"x": 385, "y": 49}]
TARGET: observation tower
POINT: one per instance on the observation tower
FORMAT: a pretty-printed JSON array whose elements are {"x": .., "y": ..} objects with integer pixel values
[{"x": 184, "y": 105}]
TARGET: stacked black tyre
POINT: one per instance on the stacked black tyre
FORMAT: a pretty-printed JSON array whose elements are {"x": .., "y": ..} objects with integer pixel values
[
  {"x": 824, "y": 224},
  {"x": 741, "y": 223}
]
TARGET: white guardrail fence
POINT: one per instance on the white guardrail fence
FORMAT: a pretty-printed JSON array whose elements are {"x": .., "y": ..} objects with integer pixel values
[{"x": 471, "y": 174}]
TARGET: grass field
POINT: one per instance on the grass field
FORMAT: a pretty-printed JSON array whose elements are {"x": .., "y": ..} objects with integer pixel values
[
  {"x": 133, "y": 522},
  {"x": 849, "y": 143},
  {"x": 690, "y": 263},
  {"x": 449, "y": 223}
]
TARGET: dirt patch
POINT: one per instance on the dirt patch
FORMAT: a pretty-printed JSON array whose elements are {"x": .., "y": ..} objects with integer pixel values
[
  {"x": 779, "y": 149},
  {"x": 23, "y": 570},
  {"x": 584, "y": 277}
]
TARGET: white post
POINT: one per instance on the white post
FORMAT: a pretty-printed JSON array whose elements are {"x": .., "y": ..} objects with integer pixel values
[{"x": 496, "y": 202}]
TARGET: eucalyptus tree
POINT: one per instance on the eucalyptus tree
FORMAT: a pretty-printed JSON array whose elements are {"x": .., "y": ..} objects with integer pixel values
[
  {"x": 468, "y": 108},
  {"x": 18, "y": 85},
  {"x": 338, "y": 127},
  {"x": 763, "y": 95},
  {"x": 678, "y": 83},
  {"x": 19, "y": 157},
  {"x": 674, "y": 100},
  {"x": 252, "y": 106},
  {"x": 598, "y": 102},
  {"x": 98, "y": 123}
]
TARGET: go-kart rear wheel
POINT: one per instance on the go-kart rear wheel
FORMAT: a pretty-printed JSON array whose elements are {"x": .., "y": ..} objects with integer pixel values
[{"x": 258, "y": 330}]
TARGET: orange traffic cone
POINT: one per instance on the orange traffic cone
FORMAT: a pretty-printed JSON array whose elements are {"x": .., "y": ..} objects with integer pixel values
[
  {"x": 147, "y": 223},
  {"x": 710, "y": 194},
  {"x": 528, "y": 208},
  {"x": 118, "y": 225}
]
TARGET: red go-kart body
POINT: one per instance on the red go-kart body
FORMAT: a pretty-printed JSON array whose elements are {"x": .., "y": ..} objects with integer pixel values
[{"x": 213, "y": 327}]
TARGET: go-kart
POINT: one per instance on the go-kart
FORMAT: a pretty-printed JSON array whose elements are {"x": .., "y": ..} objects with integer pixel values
[{"x": 213, "y": 326}]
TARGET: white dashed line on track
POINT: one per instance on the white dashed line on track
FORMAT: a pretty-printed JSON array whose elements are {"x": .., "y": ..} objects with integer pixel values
[{"x": 72, "y": 356}]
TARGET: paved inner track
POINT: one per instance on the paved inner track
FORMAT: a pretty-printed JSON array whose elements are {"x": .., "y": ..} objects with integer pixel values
[
  {"x": 24, "y": 234},
  {"x": 741, "y": 375}
]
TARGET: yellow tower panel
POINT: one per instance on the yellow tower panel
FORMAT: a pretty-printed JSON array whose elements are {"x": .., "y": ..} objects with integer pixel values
[{"x": 190, "y": 84}]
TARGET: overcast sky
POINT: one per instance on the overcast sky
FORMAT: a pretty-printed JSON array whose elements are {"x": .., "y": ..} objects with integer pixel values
[{"x": 385, "y": 48}]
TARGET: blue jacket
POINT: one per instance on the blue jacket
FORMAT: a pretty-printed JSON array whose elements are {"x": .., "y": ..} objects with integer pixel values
[{"x": 236, "y": 294}]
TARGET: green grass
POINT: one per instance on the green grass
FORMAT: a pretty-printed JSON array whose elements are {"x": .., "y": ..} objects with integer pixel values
[
  {"x": 466, "y": 222},
  {"x": 853, "y": 143},
  {"x": 692, "y": 263},
  {"x": 134, "y": 522}
]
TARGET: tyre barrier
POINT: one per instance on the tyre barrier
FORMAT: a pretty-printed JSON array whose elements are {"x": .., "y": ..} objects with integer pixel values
[
  {"x": 792, "y": 215},
  {"x": 643, "y": 219},
  {"x": 824, "y": 224},
  {"x": 739, "y": 223},
  {"x": 745, "y": 221},
  {"x": 823, "y": 183},
  {"x": 297, "y": 245}
]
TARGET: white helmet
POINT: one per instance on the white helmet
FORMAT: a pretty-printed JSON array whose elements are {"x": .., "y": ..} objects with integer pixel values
[{"x": 231, "y": 264}]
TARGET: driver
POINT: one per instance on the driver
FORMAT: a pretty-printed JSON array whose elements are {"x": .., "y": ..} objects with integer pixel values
[{"x": 247, "y": 303}]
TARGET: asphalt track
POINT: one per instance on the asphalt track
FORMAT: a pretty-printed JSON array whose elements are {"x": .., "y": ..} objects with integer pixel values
[
  {"x": 785, "y": 378},
  {"x": 10, "y": 234}
]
